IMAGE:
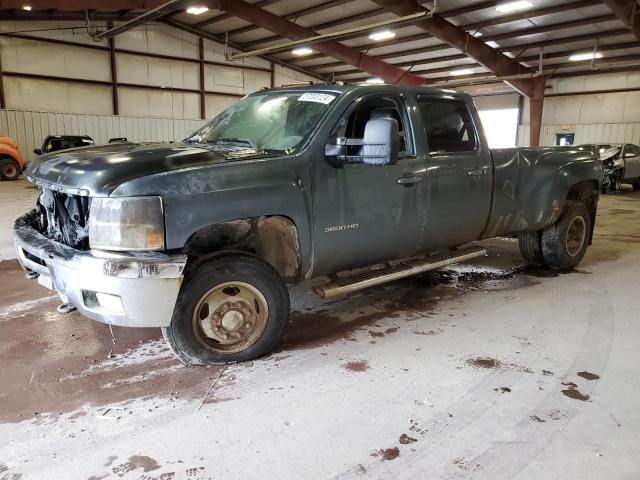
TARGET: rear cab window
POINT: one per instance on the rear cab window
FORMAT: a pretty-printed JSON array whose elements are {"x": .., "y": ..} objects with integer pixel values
[{"x": 448, "y": 124}]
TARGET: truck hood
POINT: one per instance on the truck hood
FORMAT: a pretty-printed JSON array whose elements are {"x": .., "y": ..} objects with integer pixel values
[{"x": 98, "y": 170}]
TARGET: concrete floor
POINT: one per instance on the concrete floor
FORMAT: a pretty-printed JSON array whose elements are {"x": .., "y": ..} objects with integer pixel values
[{"x": 489, "y": 370}]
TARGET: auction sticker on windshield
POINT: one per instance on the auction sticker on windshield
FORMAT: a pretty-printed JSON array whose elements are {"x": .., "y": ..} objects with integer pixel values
[{"x": 317, "y": 97}]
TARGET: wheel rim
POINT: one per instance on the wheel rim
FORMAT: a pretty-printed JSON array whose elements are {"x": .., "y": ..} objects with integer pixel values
[
  {"x": 230, "y": 317},
  {"x": 9, "y": 170},
  {"x": 576, "y": 235}
]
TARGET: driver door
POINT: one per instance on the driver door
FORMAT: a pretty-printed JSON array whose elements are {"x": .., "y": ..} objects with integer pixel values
[
  {"x": 367, "y": 214},
  {"x": 631, "y": 155}
]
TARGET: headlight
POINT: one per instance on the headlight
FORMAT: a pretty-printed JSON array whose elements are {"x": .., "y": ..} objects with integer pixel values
[{"x": 127, "y": 223}]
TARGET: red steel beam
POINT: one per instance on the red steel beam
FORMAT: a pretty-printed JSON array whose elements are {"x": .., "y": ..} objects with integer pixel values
[
  {"x": 288, "y": 29},
  {"x": 376, "y": 12},
  {"x": 355, "y": 74},
  {"x": 293, "y": 15},
  {"x": 536, "y": 103},
  {"x": 215, "y": 38},
  {"x": 482, "y": 53},
  {"x": 629, "y": 12},
  {"x": 511, "y": 48},
  {"x": 226, "y": 16},
  {"x": 72, "y": 5}
]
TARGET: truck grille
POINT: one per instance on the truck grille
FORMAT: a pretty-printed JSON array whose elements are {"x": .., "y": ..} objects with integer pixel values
[{"x": 64, "y": 218}]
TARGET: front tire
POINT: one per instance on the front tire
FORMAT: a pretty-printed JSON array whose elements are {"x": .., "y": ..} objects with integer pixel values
[
  {"x": 9, "y": 169},
  {"x": 636, "y": 185},
  {"x": 231, "y": 308},
  {"x": 565, "y": 242}
]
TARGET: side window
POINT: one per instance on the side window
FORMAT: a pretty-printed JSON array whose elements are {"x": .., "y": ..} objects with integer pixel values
[
  {"x": 372, "y": 107},
  {"x": 633, "y": 149},
  {"x": 54, "y": 146},
  {"x": 448, "y": 124}
]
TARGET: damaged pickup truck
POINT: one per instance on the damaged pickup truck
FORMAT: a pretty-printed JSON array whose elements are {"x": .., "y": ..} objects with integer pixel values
[{"x": 201, "y": 238}]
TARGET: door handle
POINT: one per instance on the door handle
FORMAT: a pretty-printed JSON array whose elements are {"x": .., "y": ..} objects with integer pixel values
[
  {"x": 409, "y": 180},
  {"x": 476, "y": 172}
]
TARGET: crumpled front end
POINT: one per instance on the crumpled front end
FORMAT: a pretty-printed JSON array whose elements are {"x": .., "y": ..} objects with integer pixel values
[
  {"x": 126, "y": 289},
  {"x": 612, "y": 168},
  {"x": 64, "y": 217}
]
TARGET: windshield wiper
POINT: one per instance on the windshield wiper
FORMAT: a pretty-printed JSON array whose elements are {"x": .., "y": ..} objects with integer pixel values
[{"x": 234, "y": 141}]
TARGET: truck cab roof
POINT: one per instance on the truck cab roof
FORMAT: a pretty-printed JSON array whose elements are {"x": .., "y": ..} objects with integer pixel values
[{"x": 368, "y": 88}]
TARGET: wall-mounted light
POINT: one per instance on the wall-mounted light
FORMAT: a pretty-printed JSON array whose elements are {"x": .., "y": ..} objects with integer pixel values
[
  {"x": 302, "y": 51},
  {"x": 27, "y": 8},
  {"x": 513, "y": 6},
  {"x": 383, "y": 35},
  {"x": 577, "y": 57},
  {"x": 197, "y": 10}
]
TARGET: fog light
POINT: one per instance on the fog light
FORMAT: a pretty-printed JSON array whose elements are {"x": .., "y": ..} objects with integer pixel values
[
  {"x": 110, "y": 302},
  {"x": 103, "y": 301}
]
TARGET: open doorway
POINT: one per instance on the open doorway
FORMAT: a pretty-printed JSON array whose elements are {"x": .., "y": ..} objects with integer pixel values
[{"x": 500, "y": 126}]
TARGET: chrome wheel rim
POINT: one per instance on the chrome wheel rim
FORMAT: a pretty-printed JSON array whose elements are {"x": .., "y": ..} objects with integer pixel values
[
  {"x": 230, "y": 317},
  {"x": 576, "y": 235}
]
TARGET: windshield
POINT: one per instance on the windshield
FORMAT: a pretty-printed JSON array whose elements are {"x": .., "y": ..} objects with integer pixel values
[{"x": 273, "y": 121}]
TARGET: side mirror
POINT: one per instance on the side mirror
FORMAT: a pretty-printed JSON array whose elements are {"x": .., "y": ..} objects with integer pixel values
[
  {"x": 381, "y": 142},
  {"x": 380, "y": 145},
  {"x": 337, "y": 147},
  {"x": 37, "y": 151}
]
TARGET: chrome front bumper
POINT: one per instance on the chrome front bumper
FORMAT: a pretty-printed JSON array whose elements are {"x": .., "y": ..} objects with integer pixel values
[{"x": 125, "y": 289}]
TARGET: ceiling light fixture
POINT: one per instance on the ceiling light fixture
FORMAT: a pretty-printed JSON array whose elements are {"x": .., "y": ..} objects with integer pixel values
[
  {"x": 197, "y": 10},
  {"x": 383, "y": 35},
  {"x": 513, "y": 6},
  {"x": 27, "y": 8},
  {"x": 577, "y": 57},
  {"x": 476, "y": 34},
  {"x": 375, "y": 80},
  {"x": 301, "y": 51},
  {"x": 464, "y": 71}
]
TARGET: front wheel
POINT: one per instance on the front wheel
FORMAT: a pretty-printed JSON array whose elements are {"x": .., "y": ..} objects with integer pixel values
[
  {"x": 565, "y": 242},
  {"x": 614, "y": 184},
  {"x": 9, "y": 169},
  {"x": 636, "y": 185},
  {"x": 231, "y": 308}
]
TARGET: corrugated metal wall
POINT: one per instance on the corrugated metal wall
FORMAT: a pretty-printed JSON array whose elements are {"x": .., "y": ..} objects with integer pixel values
[
  {"x": 591, "y": 133},
  {"x": 583, "y": 106},
  {"x": 29, "y": 128}
]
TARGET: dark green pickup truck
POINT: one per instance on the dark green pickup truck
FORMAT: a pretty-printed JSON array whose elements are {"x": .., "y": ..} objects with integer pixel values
[{"x": 201, "y": 237}]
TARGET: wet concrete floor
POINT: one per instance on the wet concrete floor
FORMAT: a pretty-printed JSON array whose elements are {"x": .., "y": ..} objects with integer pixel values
[{"x": 489, "y": 369}]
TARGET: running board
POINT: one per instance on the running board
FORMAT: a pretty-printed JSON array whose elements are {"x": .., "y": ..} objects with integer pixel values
[{"x": 383, "y": 275}]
